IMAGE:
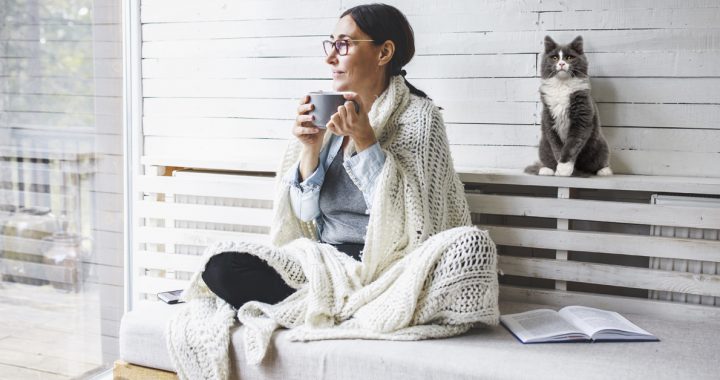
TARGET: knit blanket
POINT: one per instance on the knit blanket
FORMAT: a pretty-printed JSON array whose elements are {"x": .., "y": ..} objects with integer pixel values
[{"x": 426, "y": 271}]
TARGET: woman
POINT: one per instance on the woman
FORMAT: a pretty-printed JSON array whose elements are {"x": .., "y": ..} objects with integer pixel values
[
  {"x": 362, "y": 60},
  {"x": 372, "y": 236}
]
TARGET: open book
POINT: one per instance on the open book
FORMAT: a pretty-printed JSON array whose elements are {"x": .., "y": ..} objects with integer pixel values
[{"x": 573, "y": 323}]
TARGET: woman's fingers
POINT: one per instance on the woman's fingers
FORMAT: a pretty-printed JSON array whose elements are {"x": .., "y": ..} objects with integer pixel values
[
  {"x": 305, "y": 130},
  {"x": 336, "y": 126},
  {"x": 341, "y": 111},
  {"x": 305, "y": 119},
  {"x": 330, "y": 126},
  {"x": 352, "y": 97},
  {"x": 350, "y": 111},
  {"x": 305, "y": 108},
  {"x": 335, "y": 120}
]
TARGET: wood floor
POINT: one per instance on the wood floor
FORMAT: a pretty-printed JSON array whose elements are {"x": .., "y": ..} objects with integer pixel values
[{"x": 46, "y": 333}]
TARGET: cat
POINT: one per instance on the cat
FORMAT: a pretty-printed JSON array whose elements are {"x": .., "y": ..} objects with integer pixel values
[{"x": 571, "y": 141}]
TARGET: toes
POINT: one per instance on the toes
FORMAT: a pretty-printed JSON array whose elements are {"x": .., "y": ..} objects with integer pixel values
[
  {"x": 565, "y": 169},
  {"x": 546, "y": 171},
  {"x": 606, "y": 171}
]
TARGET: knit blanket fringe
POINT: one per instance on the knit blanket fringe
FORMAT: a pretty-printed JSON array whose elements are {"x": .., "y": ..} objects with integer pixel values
[{"x": 441, "y": 289}]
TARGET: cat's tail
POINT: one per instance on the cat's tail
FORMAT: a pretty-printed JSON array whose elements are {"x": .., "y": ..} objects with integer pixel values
[{"x": 534, "y": 168}]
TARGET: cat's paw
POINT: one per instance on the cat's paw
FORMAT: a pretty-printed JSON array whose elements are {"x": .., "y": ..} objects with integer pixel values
[
  {"x": 604, "y": 172},
  {"x": 565, "y": 169},
  {"x": 546, "y": 171}
]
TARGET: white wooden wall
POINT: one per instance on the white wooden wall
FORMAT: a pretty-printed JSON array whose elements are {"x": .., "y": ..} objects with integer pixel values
[
  {"x": 221, "y": 78},
  {"x": 221, "y": 81}
]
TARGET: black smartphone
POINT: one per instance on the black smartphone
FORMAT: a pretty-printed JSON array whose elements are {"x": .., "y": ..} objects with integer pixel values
[{"x": 171, "y": 297}]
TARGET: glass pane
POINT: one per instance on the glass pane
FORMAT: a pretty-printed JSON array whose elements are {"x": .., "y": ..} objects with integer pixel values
[{"x": 60, "y": 187}]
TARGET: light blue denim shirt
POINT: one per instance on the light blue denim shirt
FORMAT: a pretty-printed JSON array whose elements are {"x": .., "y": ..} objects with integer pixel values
[{"x": 362, "y": 168}]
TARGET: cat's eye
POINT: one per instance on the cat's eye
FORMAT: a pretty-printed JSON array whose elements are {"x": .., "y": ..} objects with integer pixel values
[
  {"x": 570, "y": 57},
  {"x": 554, "y": 57}
]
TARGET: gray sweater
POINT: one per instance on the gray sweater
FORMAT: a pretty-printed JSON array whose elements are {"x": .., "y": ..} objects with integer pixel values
[{"x": 342, "y": 207}]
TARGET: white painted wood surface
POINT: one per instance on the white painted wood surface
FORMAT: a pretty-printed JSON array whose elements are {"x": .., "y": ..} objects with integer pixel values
[
  {"x": 680, "y": 312},
  {"x": 214, "y": 206},
  {"x": 686, "y": 264},
  {"x": 604, "y": 211},
  {"x": 221, "y": 81},
  {"x": 668, "y": 184},
  {"x": 237, "y": 70},
  {"x": 603, "y": 242},
  {"x": 701, "y": 284}
]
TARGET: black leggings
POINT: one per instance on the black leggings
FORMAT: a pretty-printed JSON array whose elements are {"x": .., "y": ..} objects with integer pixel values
[{"x": 239, "y": 277}]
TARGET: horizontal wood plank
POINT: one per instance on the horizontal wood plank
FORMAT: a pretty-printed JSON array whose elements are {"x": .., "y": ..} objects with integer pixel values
[
  {"x": 562, "y": 298},
  {"x": 430, "y": 41},
  {"x": 233, "y": 187},
  {"x": 674, "y": 116},
  {"x": 685, "y": 185},
  {"x": 578, "y": 5},
  {"x": 601, "y": 242},
  {"x": 481, "y": 66},
  {"x": 232, "y": 164},
  {"x": 204, "y": 213},
  {"x": 654, "y": 64},
  {"x": 615, "y": 275},
  {"x": 153, "y": 285},
  {"x": 233, "y": 29},
  {"x": 191, "y": 236},
  {"x": 604, "y": 90},
  {"x": 183, "y": 10},
  {"x": 617, "y": 212},
  {"x": 632, "y": 18},
  {"x": 167, "y": 261}
]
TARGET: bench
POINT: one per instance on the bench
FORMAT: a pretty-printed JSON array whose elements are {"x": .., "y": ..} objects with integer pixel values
[{"x": 644, "y": 246}]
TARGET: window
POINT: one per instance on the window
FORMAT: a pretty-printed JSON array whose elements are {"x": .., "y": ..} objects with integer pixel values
[{"x": 61, "y": 187}]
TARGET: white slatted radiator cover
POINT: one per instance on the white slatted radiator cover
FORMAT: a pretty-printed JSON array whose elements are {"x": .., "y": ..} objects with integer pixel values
[
  {"x": 681, "y": 265},
  {"x": 180, "y": 215}
]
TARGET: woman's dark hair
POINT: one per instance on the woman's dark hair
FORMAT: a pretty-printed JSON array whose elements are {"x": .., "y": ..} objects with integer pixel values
[{"x": 384, "y": 22}]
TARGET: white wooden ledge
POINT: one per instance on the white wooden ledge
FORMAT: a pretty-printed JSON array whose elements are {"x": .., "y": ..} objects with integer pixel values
[{"x": 666, "y": 184}]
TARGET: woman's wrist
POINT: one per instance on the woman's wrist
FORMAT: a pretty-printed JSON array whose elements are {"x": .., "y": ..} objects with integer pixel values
[
  {"x": 309, "y": 161},
  {"x": 365, "y": 140}
]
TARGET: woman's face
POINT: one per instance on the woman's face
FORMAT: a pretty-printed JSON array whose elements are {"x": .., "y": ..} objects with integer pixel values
[{"x": 358, "y": 69}]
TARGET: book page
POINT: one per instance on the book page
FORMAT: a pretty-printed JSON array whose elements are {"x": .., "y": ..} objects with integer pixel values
[
  {"x": 591, "y": 320},
  {"x": 541, "y": 324}
]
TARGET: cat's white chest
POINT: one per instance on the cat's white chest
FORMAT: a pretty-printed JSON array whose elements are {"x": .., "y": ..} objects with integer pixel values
[{"x": 556, "y": 94}]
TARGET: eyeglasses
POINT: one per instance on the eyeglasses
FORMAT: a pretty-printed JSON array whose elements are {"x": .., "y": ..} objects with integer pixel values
[{"x": 340, "y": 46}]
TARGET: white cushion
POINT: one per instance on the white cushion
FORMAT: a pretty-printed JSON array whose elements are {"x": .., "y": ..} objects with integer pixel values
[
  {"x": 142, "y": 335},
  {"x": 686, "y": 350}
]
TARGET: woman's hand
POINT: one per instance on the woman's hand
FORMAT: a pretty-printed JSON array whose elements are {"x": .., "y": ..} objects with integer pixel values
[
  {"x": 310, "y": 136},
  {"x": 304, "y": 130},
  {"x": 347, "y": 122}
]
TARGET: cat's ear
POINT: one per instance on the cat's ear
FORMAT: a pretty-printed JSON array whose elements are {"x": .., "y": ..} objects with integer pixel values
[
  {"x": 549, "y": 44},
  {"x": 577, "y": 44}
]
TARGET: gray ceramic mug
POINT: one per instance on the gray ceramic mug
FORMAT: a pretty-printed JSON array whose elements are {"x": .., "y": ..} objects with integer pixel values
[{"x": 326, "y": 104}]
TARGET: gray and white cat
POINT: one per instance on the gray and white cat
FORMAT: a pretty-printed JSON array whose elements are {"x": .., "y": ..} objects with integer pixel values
[{"x": 571, "y": 142}]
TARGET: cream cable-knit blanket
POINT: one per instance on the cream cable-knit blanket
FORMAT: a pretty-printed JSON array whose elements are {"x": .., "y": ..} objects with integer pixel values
[{"x": 426, "y": 272}]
